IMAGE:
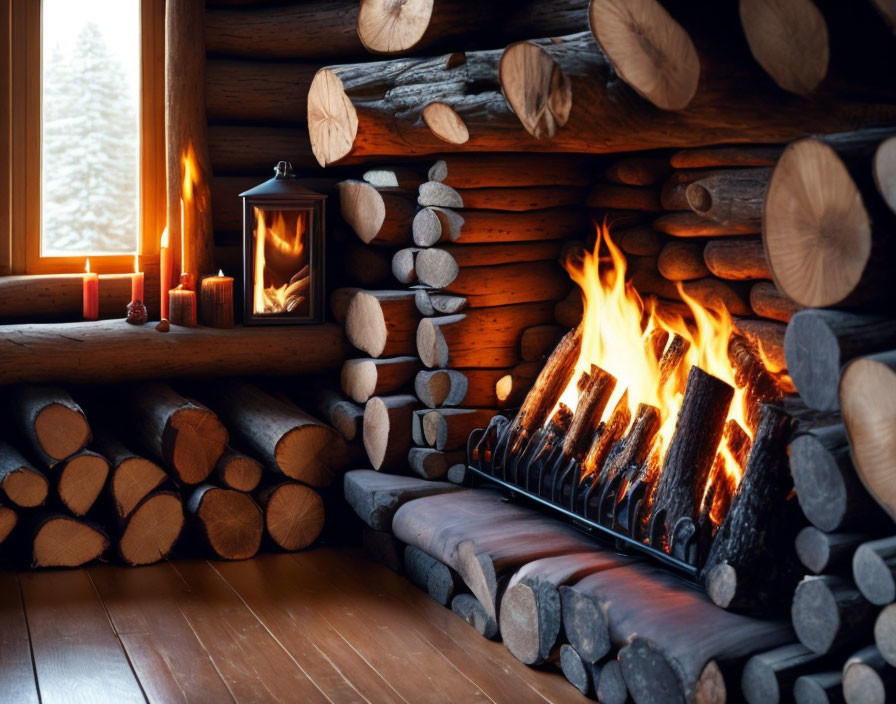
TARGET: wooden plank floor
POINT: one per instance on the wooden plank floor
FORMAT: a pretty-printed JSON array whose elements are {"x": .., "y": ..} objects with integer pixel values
[{"x": 326, "y": 625}]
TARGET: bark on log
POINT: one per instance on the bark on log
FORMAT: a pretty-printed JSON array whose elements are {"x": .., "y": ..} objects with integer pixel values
[
  {"x": 363, "y": 378},
  {"x": 682, "y": 261},
  {"x": 345, "y": 416},
  {"x": 828, "y": 613},
  {"x": 473, "y": 612},
  {"x": 539, "y": 340},
  {"x": 493, "y": 227},
  {"x": 62, "y": 541},
  {"x": 768, "y": 677},
  {"x": 830, "y": 553},
  {"x": 868, "y": 678},
  {"x": 768, "y": 302},
  {"x": 382, "y": 323},
  {"x": 279, "y": 433},
  {"x": 238, "y": 471},
  {"x": 186, "y": 437},
  {"x": 430, "y": 463},
  {"x": 23, "y": 485},
  {"x": 449, "y": 428},
  {"x": 368, "y": 267},
  {"x": 80, "y": 479},
  {"x": 730, "y": 196},
  {"x": 874, "y": 570},
  {"x": 228, "y": 521},
  {"x": 59, "y": 297},
  {"x": 189, "y": 166},
  {"x": 726, "y": 156},
  {"x": 519, "y": 200},
  {"x": 264, "y": 92},
  {"x": 693, "y": 225},
  {"x": 737, "y": 259},
  {"x": 819, "y": 343},
  {"x": 455, "y": 339},
  {"x": 50, "y": 420},
  {"x": 150, "y": 531},
  {"x": 376, "y": 497},
  {"x": 378, "y": 216},
  {"x": 692, "y": 451},
  {"x": 293, "y": 514},
  {"x": 91, "y": 352},
  {"x": 511, "y": 170},
  {"x": 638, "y": 170},
  {"x": 132, "y": 477},
  {"x": 387, "y": 431},
  {"x": 438, "y": 580},
  {"x": 495, "y": 254},
  {"x": 255, "y": 149},
  {"x": 827, "y": 486}
]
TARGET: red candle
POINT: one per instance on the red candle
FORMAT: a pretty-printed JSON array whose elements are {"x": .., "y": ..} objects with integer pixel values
[
  {"x": 91, "y": 285},
  {"x": 166, "y": 265},
  {"x": 137, "y": 282}
]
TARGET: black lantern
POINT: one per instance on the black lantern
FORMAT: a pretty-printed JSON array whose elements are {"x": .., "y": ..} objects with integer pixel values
[{"x": 283, "y": 251}]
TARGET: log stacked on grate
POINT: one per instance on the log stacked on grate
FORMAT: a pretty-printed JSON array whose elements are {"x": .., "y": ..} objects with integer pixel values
[{"x": 139, "y": 469}]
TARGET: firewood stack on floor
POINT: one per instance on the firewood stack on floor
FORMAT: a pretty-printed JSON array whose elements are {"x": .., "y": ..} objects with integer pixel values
[{"x": 149, "y": 472}]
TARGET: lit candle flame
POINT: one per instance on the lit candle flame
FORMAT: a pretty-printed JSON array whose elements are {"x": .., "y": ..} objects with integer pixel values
[
  {"x": 220, "y": 272},
  {"x": 87, "y": 266}
]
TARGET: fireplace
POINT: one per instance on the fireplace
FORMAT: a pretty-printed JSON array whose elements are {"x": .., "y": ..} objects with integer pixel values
[{"x": 283, "y": 251}]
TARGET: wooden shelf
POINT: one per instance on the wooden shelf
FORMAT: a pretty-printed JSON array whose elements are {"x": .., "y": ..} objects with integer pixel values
[{"x": 112, "y": 351}]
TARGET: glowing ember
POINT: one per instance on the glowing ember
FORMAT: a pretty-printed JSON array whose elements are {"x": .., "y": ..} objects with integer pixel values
[
  {"x": 626, "y": 337},
  {"x": 280, "y": 263}
]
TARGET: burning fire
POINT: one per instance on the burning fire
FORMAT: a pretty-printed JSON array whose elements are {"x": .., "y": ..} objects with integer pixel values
[
  {"x": 626, "y": 337},
  {"x": 279, "y": 250}
]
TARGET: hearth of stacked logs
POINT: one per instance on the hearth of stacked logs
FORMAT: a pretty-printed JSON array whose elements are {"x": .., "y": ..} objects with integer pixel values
[{"x": 147, "y": 472}]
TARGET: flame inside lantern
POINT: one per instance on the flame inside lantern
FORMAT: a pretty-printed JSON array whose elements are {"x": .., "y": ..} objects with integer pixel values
[{"x": 280, "y": 262}]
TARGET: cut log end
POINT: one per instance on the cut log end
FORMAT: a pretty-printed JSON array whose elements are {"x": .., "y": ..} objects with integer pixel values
[
  {"x": 519, "y": 623},
  {"x": 8, "y": 521},
  {"x": 132, "y": 480},
  {"x": 195, "y": 442},
  {"x": 152, "y": 529},
  {"x": 61, "y": 430},
  {"x": 585, "y": 624},
  {"x": 445, "y": 123},
  {"x": 363, "y": 208},
  {"x": 431, "y": 345},
  {"x": 240, "y": 472},
  {"x": 885, "y": 169},
  {"x": 536, "y": 88},
  {"x": 873, "y": 575},
  {"x": 389, "y": 27},
  {"x": 26, "y": 488},
  {"x": 64, "y": 542},
  {"x": 81, "y": 480},
  {"x": 332, "y": 119},
  {"x": 721, "y": 585},
  {"x": 232, "y": 523},
  {"x": 574, "y": 669},
  {"x": 650, "y": 677},
  {"x": 816, "y": 230},
  {"x": 365, "y": 324},
  {"x": 376, "y": 431},
  {"x": 650, "y": 51},
  {"x": 789, "y": 40},
  {"x": 885, "y": 633},
  {"x": 294, "y": 516},
  {"x": 310, "y": 453}
]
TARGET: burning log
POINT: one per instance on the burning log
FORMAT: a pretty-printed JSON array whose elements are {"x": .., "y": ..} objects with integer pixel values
[
  {"x": 449, "y": 428},
  {"x": 768, "y": 678},
  {"x": 539, "y": 340},
  {"x": 828, "y": 613},
  {"x": 641, "y": 240},
  {"x": 279, "y": 433},
  {"x": 511, "y": 389},
  {"x": 801, "y": 210},
  {"x": 431, "y": 303},
  {"x": 868, "y": 678},
  {"x": 378, "y": 216},
  {"x": 80, "y": 479},
  {"x": 417, "y": 25},
  {"x": 346, "y": 417},
  {"x": 132, "y": 477},
  {"x": 768, "y": 338},
  {"x": 511, "y": 170},
  {"x": 692, "y": 451},
  {"x": 737, "y": 259},
  {"x": 185, "y": 436},
  {"x": 827, "y": 486},
  {"x": 382, "y": 323},
  {"x": 470, "y": 610},
  {"x": 638, "y": 170},
  {"x": 62, "y": 541},
  {"x": 593, "y": 399},
  {"x": 607, "y": 195},
  {"x": 50, "y": 420},
  {"x": 375, "y": 496},
  {"x": 363, "y": 378},
  {"x": 874, "y": 570},
  {"x": 726, "y": 156},
  {"x": 819, "y": 343},
  {"x": 293, "y": 514},
  {"x": 228, "y": 521},
  {"x": 732, "y": 196},
  {"x": 634, "y": 447},
  {"x": 150, "y": 531},
  {"x": 238, "y": 471},
  {"x": 387, "y": 430},
  {"x": 23, "y": 485},
  {"x": 607, "y": 437},
  {"x": 681, "y": 261},
  {"x": 430, "y": 463},
  {"x": 822, "y": 552},
  {"x": 491, "y": 227},
  {"x": 455, "y": 339},
  {"x": 694, "y": 225},
  {"x": 751, "y": 374},
  {"x": 438, "y": 580},
  {"x": 530, "y": 615},
  {"x": 866, "y": 401},
  {"x": 516, "y": 200},
  {"x": 768, "y": 302},
  {"x": 746, "y": 568}
]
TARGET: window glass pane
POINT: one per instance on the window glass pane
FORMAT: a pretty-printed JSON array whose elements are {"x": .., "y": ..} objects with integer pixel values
[{"x": 90, "y": 132}]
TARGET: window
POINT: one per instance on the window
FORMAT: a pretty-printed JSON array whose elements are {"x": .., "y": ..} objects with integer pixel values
[{"x": 87, "y": 134}]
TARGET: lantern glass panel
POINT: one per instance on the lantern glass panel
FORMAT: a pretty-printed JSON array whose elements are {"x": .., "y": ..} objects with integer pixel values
[{"x": 281, "y": 256}]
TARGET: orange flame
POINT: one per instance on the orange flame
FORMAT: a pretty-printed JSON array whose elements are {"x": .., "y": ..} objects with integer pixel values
[
  {"x": 279, "y": 255},
  {"x": 618, "y": 327}
]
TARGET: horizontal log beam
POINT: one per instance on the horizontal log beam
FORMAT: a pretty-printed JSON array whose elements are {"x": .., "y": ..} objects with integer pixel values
[{"x": 112, "y": 351}]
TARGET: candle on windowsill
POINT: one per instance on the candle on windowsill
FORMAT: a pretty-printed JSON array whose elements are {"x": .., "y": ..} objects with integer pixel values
[
  {"x": 182, "y": 307},
  {"x": 137, "y": 281},
  {"x": 216, "y": 301},
  {"x": 166, "y": 267},
  {"x": 91, "y": 286}
]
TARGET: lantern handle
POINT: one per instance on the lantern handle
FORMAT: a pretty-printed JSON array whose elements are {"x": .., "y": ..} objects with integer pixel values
[{"x": 283, "y": 169}]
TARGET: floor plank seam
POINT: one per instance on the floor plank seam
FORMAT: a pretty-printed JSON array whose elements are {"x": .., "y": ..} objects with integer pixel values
[{"x": 30, "y": 644}]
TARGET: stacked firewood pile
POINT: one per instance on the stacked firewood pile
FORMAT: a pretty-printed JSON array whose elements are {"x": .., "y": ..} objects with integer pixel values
[{"x": 148, "y": 471}]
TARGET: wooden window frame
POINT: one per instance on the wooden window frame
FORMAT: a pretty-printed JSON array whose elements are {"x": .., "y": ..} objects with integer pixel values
[{"x": 20, "y": 134}]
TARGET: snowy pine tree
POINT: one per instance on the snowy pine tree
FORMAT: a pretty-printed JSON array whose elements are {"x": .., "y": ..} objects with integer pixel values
[{"x": 90, "y": 151}]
